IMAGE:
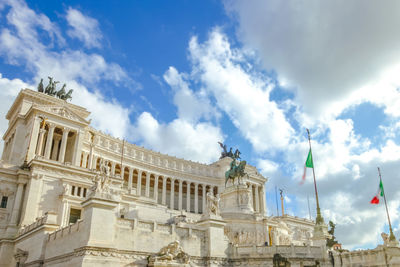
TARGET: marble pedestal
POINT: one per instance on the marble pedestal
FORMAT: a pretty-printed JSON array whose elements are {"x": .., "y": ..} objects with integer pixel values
[{"x": 236, "y": 201}]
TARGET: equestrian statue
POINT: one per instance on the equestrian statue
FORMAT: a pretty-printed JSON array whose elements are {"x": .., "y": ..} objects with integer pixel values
[{"x": 236, "y": 167}]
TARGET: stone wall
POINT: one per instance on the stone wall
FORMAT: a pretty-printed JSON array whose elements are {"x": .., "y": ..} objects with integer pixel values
[{"x": 380, "y": 256}]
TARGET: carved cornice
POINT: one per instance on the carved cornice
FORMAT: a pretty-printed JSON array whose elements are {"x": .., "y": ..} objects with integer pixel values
[{"x": 44, "y": 99}]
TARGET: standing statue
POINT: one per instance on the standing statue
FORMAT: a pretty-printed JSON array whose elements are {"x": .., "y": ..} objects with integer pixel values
[
  {"x": 40, "y": 86},
  {"x": 212, "y": 204}
]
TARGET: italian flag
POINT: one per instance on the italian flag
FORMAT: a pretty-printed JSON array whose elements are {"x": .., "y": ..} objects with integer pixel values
[
  {"x": 309, "y": 164},
  {"x": 375, "y": 200}
]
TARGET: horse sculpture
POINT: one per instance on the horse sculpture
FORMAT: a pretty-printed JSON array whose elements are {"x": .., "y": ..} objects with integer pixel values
[
  {"x": 51, "y": 89},
  {"x": 236, "y": 171}
]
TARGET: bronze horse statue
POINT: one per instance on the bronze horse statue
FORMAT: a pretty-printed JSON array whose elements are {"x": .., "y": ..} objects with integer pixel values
[{"x": 236, "y": 171}]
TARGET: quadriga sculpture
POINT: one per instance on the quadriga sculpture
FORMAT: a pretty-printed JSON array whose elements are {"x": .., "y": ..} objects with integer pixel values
[{"x": 51, "y": 89}]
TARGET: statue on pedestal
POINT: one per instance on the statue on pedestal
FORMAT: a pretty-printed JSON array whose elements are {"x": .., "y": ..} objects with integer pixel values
[
  {"x": 212, "y": 204},
  {"x": 102, "y": 180},
  {"x": 236, "y": 171}
]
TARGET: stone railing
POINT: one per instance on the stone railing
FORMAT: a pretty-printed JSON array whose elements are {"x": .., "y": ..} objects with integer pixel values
[
  {"x": 134, "y": 152},
  {"x": 65, "y": 231},
  {"x": 285, "y": 251},
  {"x": 48, "y": 218},
  {"x": 380, "y": 256},
  {"x": 152, "y": 226}
]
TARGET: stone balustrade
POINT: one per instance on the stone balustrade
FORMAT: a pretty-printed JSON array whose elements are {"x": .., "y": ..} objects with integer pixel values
[
  {"x": 134, "y": 152},
  {"x": 65, "y": 231},
  {"x": 48, "y": 218},
  {"x": 285, "y": 251}
]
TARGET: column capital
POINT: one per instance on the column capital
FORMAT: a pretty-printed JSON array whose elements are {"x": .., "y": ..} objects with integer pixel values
[
  {"x": 51, "y": 125},
  {"x": 66, "y": 130}
]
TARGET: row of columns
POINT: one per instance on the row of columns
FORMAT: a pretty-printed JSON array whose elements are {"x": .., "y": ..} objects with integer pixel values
[
  {"x": 258, "y": 198},
  {"x": 89, "y": 160},
  {"x": 48, "y": 153}
]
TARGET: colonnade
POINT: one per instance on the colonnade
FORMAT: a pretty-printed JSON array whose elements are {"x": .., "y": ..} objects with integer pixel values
[
  {"x": 175, "y": 193},
  {"x": 52, "y": 142}
]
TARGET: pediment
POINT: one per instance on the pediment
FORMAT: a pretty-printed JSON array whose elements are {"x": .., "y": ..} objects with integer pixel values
[{"x": 62, "y": 111}]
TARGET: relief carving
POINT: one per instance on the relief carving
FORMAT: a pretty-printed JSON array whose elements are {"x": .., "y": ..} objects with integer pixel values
[{"x": 172, "y": 253}]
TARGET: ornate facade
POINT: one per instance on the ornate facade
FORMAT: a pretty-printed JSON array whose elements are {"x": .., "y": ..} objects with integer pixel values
[{"x": 74, "y": 196}]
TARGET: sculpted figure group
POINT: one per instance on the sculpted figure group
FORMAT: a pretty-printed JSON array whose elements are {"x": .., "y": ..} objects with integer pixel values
[
  {"x": 172, "y": 252},
  {"x": 51, "y": 89}
]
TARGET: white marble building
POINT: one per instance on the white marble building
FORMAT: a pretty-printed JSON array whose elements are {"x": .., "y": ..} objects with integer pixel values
[{"x": 74, "y": 196}]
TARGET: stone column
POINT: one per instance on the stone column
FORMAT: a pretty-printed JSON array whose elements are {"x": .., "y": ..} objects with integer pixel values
[
  {"x": 113, "y": 168},
  {"x": 84, "y": 159},
  {"x": 63, "y": 144},
  {"x": 180, "y": 195},
  {"x": 172, "y": 195},
  {"x": 187, "y": 196},
  {"x": 139, "y": 184},
  {"x": 33, "y": 141},
  {"x": 90, "y": 157},
  {"x": 55, "y": 151},
  {"x": 155, "y": 192},
  {"x": 130, "y": 177},
  {"x": 49, "y": 140},
  {"x": 147, "y": 184},
  {"x": 257, "y": 195},
  {"x": 164, "y": 191},
  {"x": 78, "y": 147},
  {"x": 253, "y": 205},
  {"x": 17, "y": 203},
  {"x": 94, "y": 163},
  {"x": 196, "y": 198},
  {"x": 262, "y": 201},
  {"x": 204, "y": 199},
  {"x": 39, "y": 148}
]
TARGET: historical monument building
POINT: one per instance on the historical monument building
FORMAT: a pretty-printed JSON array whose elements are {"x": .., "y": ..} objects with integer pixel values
[{"x": 74, "y": 196}]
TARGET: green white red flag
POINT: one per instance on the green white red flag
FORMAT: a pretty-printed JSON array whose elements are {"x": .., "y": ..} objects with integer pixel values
[
  {"x": 309, "y": 164},
  {"x": 379, "y": 193}
]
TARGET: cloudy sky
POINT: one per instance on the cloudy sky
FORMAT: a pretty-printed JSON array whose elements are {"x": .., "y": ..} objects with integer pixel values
[{"x": 179, "y": 78}]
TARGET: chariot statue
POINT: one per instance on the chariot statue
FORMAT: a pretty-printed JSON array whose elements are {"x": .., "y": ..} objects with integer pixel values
[{"x": 51, "y": 89}]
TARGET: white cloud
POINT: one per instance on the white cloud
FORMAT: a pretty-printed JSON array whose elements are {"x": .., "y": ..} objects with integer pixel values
[
  {"x": 180, "y": 138},
  {"x": 84, "y": 28},
  {"x": 191, "y": 106},
  {"x": 21, "y": 45},
  {"x": 241, "y": 93},
  {"x": 327, "y": 50},
  {"x": 8, "y": 91}
]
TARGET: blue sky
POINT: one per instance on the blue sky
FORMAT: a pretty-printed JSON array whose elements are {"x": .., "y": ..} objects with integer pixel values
[{"x": 177, "y": 78}]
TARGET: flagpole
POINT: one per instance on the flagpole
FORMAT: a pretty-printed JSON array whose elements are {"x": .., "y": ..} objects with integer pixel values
[
  {"x": 319, "y": 219},
  {"x": 391, "y": 237}
]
